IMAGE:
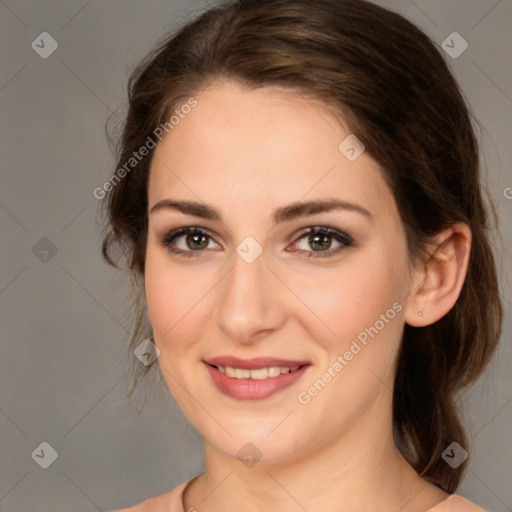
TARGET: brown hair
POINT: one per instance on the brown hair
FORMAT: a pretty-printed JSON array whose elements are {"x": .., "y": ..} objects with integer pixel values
[{"x": 398, "y": 96}]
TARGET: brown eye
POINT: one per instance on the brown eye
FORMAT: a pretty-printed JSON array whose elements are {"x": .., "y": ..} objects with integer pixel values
[
  {"x": 186, "y": 241},
  {"x": 319, "y": 240},
  {"x": 194, "y": 241}
]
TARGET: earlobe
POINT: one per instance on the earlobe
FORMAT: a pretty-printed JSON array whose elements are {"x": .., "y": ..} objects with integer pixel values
[{"x": 437, "y": 286}]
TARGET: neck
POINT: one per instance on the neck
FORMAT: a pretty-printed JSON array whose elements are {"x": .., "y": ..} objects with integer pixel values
[{"x": 359, "y": 470}]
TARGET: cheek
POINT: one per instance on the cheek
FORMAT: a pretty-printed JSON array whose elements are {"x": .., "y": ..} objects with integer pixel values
[
  {"x": 367, "y": 315},
  {"x": 161, "y": 298},
  {"x": 180, "y": 301},
  {"x": 170, "y": 309},
  {"x": 363, "y": 306},
  {"x": 352, "y": 299},
  {"x": 170, "y": 295}
]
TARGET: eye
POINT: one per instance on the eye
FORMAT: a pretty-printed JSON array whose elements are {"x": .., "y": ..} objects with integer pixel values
[
  {"x": 320, "y": 238},
  {"x": 194, "y": 240}
]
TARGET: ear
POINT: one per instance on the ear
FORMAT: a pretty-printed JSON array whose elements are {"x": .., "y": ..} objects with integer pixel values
[{"x": 436, "y": 286}]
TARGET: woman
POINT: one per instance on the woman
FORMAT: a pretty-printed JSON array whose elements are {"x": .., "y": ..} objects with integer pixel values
[{"x": 297, "y": 198}]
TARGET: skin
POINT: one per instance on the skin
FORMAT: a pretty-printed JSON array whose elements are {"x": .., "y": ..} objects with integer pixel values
[{"x": 246, "y": 153}]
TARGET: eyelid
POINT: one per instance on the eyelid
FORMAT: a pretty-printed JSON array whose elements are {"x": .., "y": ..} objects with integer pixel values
[
  {"x": 317, "y": 228},
  {"x": 341, "y": 237},
  {"x": 344, "y": 239},
  {"x": 169, "y": 236}
]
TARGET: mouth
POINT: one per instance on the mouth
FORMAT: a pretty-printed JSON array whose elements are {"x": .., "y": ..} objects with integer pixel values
[
  {"x": 254, "y": 379},
  {"x": 269, "y": 372}
]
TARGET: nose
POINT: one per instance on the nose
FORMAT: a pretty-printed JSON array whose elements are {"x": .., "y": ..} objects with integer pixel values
[{"x": 250, "y": 301}]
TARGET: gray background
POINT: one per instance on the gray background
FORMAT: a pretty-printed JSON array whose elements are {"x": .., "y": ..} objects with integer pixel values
[{"x": 64, "y": 326}]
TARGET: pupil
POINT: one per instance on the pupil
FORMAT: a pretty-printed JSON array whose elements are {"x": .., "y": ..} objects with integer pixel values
[
  {"x": 195, "y": 238},
  {"x": 314, "y": 238}
]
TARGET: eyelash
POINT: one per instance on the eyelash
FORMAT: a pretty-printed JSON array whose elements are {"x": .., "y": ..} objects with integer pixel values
[{"x": 339, "y": 236}]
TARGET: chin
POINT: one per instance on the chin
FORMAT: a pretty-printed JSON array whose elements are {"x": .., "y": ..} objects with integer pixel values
[{"x": 253, "y": 446}]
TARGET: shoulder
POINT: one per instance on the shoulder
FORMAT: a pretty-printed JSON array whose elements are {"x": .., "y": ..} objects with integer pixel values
[
  {"x": 456, "y": 503},
  {"x": 168, "y": 502}
]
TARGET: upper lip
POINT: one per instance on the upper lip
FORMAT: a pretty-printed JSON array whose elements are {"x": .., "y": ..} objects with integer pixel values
[{"x": 253, "y": 363}]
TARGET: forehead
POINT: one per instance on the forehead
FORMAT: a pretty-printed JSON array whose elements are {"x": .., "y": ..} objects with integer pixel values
[{"x": 253, "y": 146}]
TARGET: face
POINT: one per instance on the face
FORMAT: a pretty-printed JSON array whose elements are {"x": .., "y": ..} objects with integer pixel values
[{"x": 257, "y": 285}]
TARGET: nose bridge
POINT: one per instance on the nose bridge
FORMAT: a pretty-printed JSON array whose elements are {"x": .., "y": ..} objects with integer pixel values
[{"x": 247, "y": 304}]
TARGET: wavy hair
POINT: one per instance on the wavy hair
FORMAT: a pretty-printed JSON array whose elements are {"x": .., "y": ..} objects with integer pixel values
[{"x": 397, "y": 94}]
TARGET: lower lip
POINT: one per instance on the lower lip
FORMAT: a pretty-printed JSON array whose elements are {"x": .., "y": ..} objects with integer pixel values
[{"x": 253, "y": 389}]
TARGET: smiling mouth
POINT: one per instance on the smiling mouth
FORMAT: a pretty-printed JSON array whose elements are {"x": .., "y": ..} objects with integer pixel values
[
  {"x": 256, "y": 378},
  {"x": 268, "y": 372}
]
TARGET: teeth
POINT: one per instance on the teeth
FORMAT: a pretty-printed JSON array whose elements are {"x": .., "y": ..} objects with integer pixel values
[
  {"x": 262, "y": 373},
  {"x": 242, "y": 373},
  {"x": 257, "y": 373},
  {"x": 273, "y": 371},
  {"x": 230, "y": 372}
]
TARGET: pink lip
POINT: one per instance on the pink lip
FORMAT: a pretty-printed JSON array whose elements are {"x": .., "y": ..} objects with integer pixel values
[{"x": 253, "y": 389}]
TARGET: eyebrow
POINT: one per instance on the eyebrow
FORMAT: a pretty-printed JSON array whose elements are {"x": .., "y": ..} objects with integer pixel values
[{"x": 282, "y": 214}]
